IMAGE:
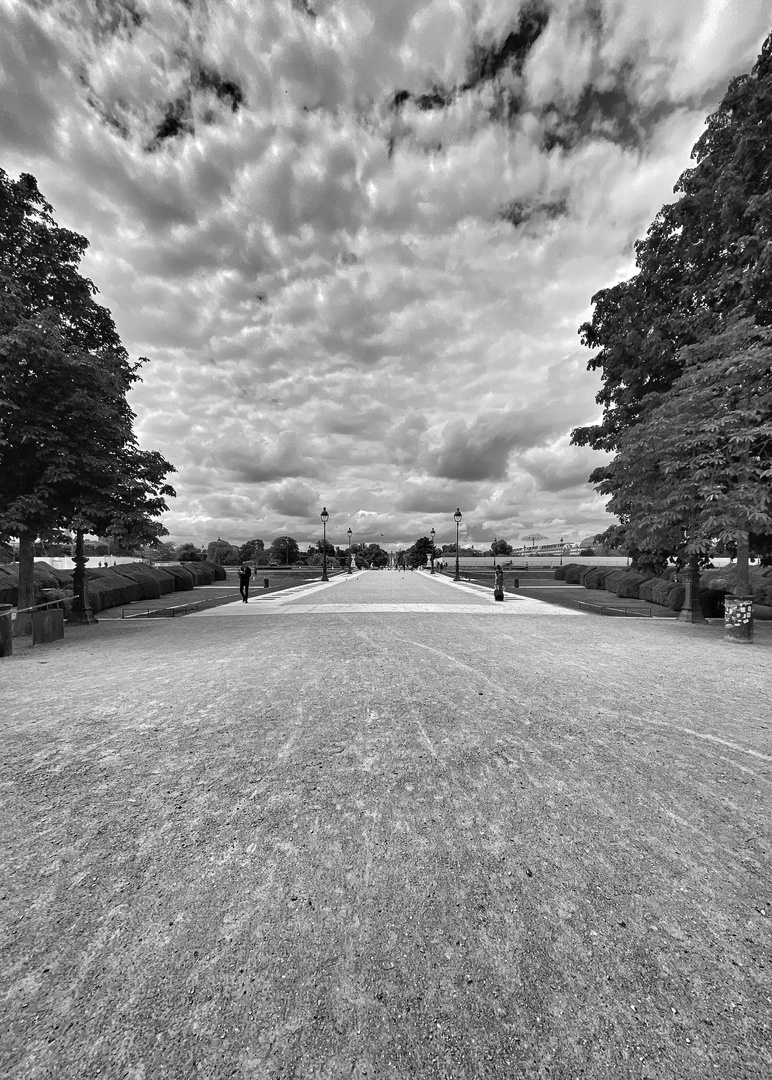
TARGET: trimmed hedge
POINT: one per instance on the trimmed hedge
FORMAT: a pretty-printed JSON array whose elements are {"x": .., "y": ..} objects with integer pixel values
[
  {"x": 675, "y": 598},
  {"x": 595, "y": 577},
  {"x": 200, "y": 575},
  {"x": 218, "y": 571},
  {"x": 153, "y": 582},
  {"x": 560, "y": 573},
  {"x": 111, "y": 588},
  {"x": 183, "y": 579},
  {"x": 571, "y": 575},
  {"x": 628, "y": 585}
]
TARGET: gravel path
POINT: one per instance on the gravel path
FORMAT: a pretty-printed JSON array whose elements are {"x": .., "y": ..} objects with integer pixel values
[{"x": 386, "y": 828}]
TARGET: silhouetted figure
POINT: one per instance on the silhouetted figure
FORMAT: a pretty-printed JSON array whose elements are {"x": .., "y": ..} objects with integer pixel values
[{"x": 245, "y": 573}]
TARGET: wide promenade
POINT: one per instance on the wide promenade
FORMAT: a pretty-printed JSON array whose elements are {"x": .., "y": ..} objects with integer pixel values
[{"x": 387, "y": 828}]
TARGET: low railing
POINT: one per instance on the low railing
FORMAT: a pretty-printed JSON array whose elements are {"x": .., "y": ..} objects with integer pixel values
[{"x": 39, "y": 607}]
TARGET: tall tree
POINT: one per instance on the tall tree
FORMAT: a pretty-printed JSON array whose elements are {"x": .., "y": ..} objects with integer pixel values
[
  {"x": 697, "y": 467},
  {"x": 703, "y": 271},
  {"x": 284, "y": 550},
  {"x": 704, "y": 259},
  {"x": 68, "y": 456}
]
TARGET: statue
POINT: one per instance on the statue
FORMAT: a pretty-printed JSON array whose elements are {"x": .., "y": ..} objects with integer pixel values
[{"x": 498, "y": 587}]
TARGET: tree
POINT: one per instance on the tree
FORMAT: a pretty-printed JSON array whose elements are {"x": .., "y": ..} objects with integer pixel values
[
  {"x": 697, "y": 467},
  {"x": 704, "y": 282},
  {"x": 248, "y": 550},
  {"x": 501, "y": 547},
  {"x": 704, "y": 260},
  {"x": 374, "y": 555},
  {"x": 222, "y": 552},
  {"x": 68, "y": 456},
  {"x": 284, "y": 551},
  {"x": 164, "y": 552},
  {"x": 188, "y": 553},
  {"x": 419, "y": 552}
]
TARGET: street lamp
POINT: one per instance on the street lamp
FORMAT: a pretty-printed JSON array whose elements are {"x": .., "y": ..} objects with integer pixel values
[
  {"x": 325, "y": 518},
  {"x": 350, "y": 556},
  {"x": 561, "y": 551},
  {"x": 432, "y": 534},
  {"x": 457, "y": 518},
  {"x": 493, "y": 549}
]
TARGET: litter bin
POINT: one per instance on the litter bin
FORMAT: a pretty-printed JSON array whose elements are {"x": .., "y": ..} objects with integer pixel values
[
  {"x": 265, "y": 582},
  {"x": 516, "y": 583}
]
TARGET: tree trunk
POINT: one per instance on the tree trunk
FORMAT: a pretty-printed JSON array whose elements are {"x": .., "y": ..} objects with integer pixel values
[
  {"x": 23, "y": 624},
  {"x": 743, "y": 586}
]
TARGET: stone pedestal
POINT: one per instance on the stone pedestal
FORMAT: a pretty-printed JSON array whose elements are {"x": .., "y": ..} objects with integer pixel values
[{"x": 738, "y": 619}]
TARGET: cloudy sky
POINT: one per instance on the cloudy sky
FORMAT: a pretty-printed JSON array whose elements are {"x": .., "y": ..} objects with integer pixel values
[{"x": 356, "y": 238}]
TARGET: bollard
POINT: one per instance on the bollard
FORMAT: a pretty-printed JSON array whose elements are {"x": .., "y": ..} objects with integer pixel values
[
  {"x": 265, "y": 582},
  {"x": 6, "y": 630},
  {"x": 738, "y": 619}
]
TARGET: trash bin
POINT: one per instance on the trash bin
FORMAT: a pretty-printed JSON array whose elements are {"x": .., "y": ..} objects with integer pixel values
[
  {"x": 516, "y": 583},
  {"x": 265, "y": 582}
]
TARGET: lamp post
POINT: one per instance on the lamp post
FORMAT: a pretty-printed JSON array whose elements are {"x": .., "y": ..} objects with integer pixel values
[
  {"x": 493, "y": 549},
  {"x": 561, "y": 551},
  {"x": 350, "y": 554},
  {"x": 325, "y": 518},
  {"x": 432, "y": 534},
  {"x": 457, "y": 518}
]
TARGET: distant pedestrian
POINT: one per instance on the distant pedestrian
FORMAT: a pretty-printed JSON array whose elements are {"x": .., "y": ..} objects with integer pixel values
[{"x": 245, "y": 573}]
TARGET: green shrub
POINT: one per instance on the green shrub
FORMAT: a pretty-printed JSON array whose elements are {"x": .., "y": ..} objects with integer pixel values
[
  {"x": 612, "y": 577},
  {"x": 560, "y": 573},
  {"x": 595, "y": 577},
  {"x": 675, "y": 598},
  {"x": 571, "y": 576},
  {"x": 200, "y": 576},
  {"x": 183, "y": 579},
  {"x": 44, "y": 576},
  {"x": 115, "y": 589},
  {"x": 148, "y": 581},
  {"x": 9, "y": 586},
  {"x": 661, "y": 591},
  {"x": 628, "y": 584},
  {"x": 217, "y": 570}
]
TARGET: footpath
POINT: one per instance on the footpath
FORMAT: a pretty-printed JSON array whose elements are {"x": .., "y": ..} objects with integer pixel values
[{"x": 385, "y": 827}]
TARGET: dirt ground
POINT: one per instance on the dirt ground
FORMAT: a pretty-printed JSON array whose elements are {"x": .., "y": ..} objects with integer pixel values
[{"x": 385, "y": 828}]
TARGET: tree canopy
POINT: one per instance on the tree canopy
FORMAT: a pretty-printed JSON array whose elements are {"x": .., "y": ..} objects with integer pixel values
[
  {"x": 68, "y": 454},
  {"x": 682, "y": 347},
  {"x": 284, "y": 550}
]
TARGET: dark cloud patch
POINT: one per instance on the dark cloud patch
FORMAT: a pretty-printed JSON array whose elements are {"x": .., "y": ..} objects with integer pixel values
[
  {"x": 614, "y": 115},
  {"x": 304, "y": 8},
  {"x": 488, "y": 60},
  {"x": 418, "y": 499},
  {"x": 226, "y": 89},
  {"x": 178, "y": 114},
  {"x": 177, "y": 121},
  {"x": 518, "y": 213}
]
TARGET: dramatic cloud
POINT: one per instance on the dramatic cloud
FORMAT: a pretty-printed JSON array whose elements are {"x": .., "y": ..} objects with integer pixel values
[{"x": 356, "y": 239}]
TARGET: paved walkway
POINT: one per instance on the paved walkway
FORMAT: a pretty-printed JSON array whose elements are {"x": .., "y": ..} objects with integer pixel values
[
  {"x": 386, "y": 837},
  {"x": 386, "y": 591}
]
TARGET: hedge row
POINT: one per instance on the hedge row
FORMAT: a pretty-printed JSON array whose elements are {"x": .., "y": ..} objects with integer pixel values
[
  {"x": 111, "y": 586},
  {"x": 665, "y": 590}
]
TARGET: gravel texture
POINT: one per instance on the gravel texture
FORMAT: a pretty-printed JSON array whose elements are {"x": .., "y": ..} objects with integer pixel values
[{"x": 393, "y": 844}]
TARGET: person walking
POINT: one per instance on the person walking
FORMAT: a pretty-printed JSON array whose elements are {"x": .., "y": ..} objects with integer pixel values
[{"x": 245, "y": 573}]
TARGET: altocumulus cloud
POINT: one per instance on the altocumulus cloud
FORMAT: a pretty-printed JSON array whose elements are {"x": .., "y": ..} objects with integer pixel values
[{"x": 356, "y": 239}]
